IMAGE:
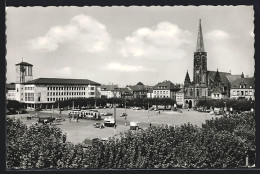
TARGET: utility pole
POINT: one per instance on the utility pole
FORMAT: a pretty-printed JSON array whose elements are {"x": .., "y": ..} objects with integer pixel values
[
  {"x": 115, "y": 120},
  {"x": 125, "y": 113},
  {"x": 148, "y": 113}
]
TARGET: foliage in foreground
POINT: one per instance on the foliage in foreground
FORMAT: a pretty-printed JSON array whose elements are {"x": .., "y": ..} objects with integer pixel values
[{"x": 222, "y": 142}]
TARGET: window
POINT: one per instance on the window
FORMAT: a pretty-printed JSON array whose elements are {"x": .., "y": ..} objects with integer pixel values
[
  {"x": 57, "y": 88},
  {"x": 92, "y": 88},
  {"x": 57, "y": 93},
  {"x": 237, "y": 92},
  {"x": 48, "y": 99},
  {"x": 92, "y": 93},
  {"x": 234, "y": 92},
  {"x": 246, "y": 92},
  {"x": 47, "y": 93},
  {"x": 242, "y": 92},
  {"x": 53, "y": 93},
  {"x": 250, "y": 92}
]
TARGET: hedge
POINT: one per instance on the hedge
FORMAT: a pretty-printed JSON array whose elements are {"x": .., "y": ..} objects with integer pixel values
[{"x": 220, "y": 143}]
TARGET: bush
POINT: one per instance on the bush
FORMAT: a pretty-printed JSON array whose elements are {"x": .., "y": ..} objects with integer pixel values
[
  {"x": 238, "y": 105},
  {"x": 221, "y": 143}
]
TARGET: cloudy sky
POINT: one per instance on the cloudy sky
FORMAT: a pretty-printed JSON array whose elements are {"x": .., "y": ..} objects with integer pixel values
[{"x": 125, "y": 45}]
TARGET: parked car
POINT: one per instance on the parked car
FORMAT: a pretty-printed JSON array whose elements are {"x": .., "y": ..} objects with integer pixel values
[
  {"x": 134, "y": 125},
  {"x": 123, "y": 115},
  {"x": 218, "y": 111},
  {"x": 46, "y": 119},
  {"x": 97, "y": 125}
]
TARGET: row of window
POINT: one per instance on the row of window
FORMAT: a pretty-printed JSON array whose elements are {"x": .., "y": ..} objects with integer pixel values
[
  {"x": 162, "y": 87},
  {"x": 29, "y": 96},
  {"x": 160, "y": 92},
  {"x": 216, "y": 95},
  {"x": 242, "y": 93},
  {"x": 243, "y": 85},
  {"x": 160, "y": 96},
  {"x": 65, "y": 93},
  {"x": 60, "y": 99},
  {"x": 29, "y": 88},
  {"x": 69, "y": 88}
]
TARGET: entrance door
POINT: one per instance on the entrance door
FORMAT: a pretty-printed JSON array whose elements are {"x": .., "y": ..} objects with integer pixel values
[{"x": 190, "y": 104}]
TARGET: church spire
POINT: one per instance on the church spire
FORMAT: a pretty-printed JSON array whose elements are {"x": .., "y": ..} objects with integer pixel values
[
  {"x": 200, "y": 43},
  {"x": 187, "y": 79}
]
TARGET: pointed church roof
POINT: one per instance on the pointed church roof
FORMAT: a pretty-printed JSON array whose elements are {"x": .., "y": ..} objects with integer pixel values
[
  {"x": 242, "y": 76},
  {"x": 187, "y": 77},
  {"x": 217, "y": 77},
  {"x": 200, "y": 43}
]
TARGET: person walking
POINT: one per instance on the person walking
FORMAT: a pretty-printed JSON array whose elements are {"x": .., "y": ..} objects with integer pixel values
[{"x": 64, "y": 137}]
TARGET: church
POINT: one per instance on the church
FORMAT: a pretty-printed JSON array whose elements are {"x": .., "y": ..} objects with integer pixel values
[{"x": 206, "y": 84}]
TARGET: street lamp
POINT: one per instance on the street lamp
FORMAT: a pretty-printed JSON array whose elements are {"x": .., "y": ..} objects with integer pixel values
[{"x": 125, "y": 113}]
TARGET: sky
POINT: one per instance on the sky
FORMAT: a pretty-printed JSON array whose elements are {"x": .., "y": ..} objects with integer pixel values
[{"x": 127, "y": 45}]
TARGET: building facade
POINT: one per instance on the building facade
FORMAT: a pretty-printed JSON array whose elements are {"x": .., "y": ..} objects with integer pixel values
[
  {"x": 110, "y": 91},
  {"x": 205, "y": 84},
  {"x": 243, "y": 88},
  {"x": 44, "y": 92},
  {"x": 165, "y": 89}
]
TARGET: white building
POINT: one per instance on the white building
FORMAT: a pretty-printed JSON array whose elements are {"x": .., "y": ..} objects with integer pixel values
[
  {"x": 165, "y": 89},
  {"x": 180, "y": 97},
  {"x": 243, "y": 88},
  {"x": 43, "y": 92},
  {"x": 110, "y": 91}
]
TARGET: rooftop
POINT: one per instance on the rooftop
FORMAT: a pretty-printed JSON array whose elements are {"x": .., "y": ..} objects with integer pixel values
[
  {"x": 61, "y": 81},
  {"x": 247, "y": 81},
  {"x": 24, "y": 63}
]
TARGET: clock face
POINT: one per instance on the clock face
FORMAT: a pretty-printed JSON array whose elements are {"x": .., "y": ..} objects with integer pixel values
[{"x": 197, "y": 72}]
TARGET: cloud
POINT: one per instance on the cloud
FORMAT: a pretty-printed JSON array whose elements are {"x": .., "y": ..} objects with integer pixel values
[
  {"x": 66, "y": 71},
  {"x": 127, "y": 68},
  {"x": 83, "y": 33},
  {"x": 217, "y": 35},
  {"x": 164, "y": 41}
]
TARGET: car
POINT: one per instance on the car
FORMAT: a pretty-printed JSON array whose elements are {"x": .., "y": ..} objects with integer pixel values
[
  {"x": 97, "y": 125},
  {"x": 123, "y": 115}
]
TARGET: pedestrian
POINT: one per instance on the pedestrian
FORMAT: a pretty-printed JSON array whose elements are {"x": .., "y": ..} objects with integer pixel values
[
  {"x": 150, "y": 124},
  {"x": 64, "y": 137}
]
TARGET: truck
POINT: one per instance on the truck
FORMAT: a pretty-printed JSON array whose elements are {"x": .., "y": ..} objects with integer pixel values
[{"x": 109, "y": 122}]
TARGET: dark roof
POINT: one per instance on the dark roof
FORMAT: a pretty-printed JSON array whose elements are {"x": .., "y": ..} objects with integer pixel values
[
  {"x": 232, "y": 78},
  {"x": 60, "y": 81},
  {"x": 247, "y": 81},
  {"x": 24, "y": 63},
  {"x": 223, "y": 76},
  {"x": 165, "y": 85},
  {"x": 180, "y": 91},
  {"x": 125, "y": 90},
  {"x": 140, "y": 83},
  {"x": 216, "y": 90},
  {"x": 10, "y": 86},
  {"x": 138, "y": 87},
  {"x": 109, "y": 87}
]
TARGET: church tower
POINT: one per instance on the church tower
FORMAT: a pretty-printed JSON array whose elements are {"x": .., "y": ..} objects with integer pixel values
[
  {"x": 200, "y": 61},
  {"x": 187, "y": 79}
]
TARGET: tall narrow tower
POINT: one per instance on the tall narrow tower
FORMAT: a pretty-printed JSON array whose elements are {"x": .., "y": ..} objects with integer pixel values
[
  {"x": 200, "y": 61},
  {"x": 23, "y": 72}
]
